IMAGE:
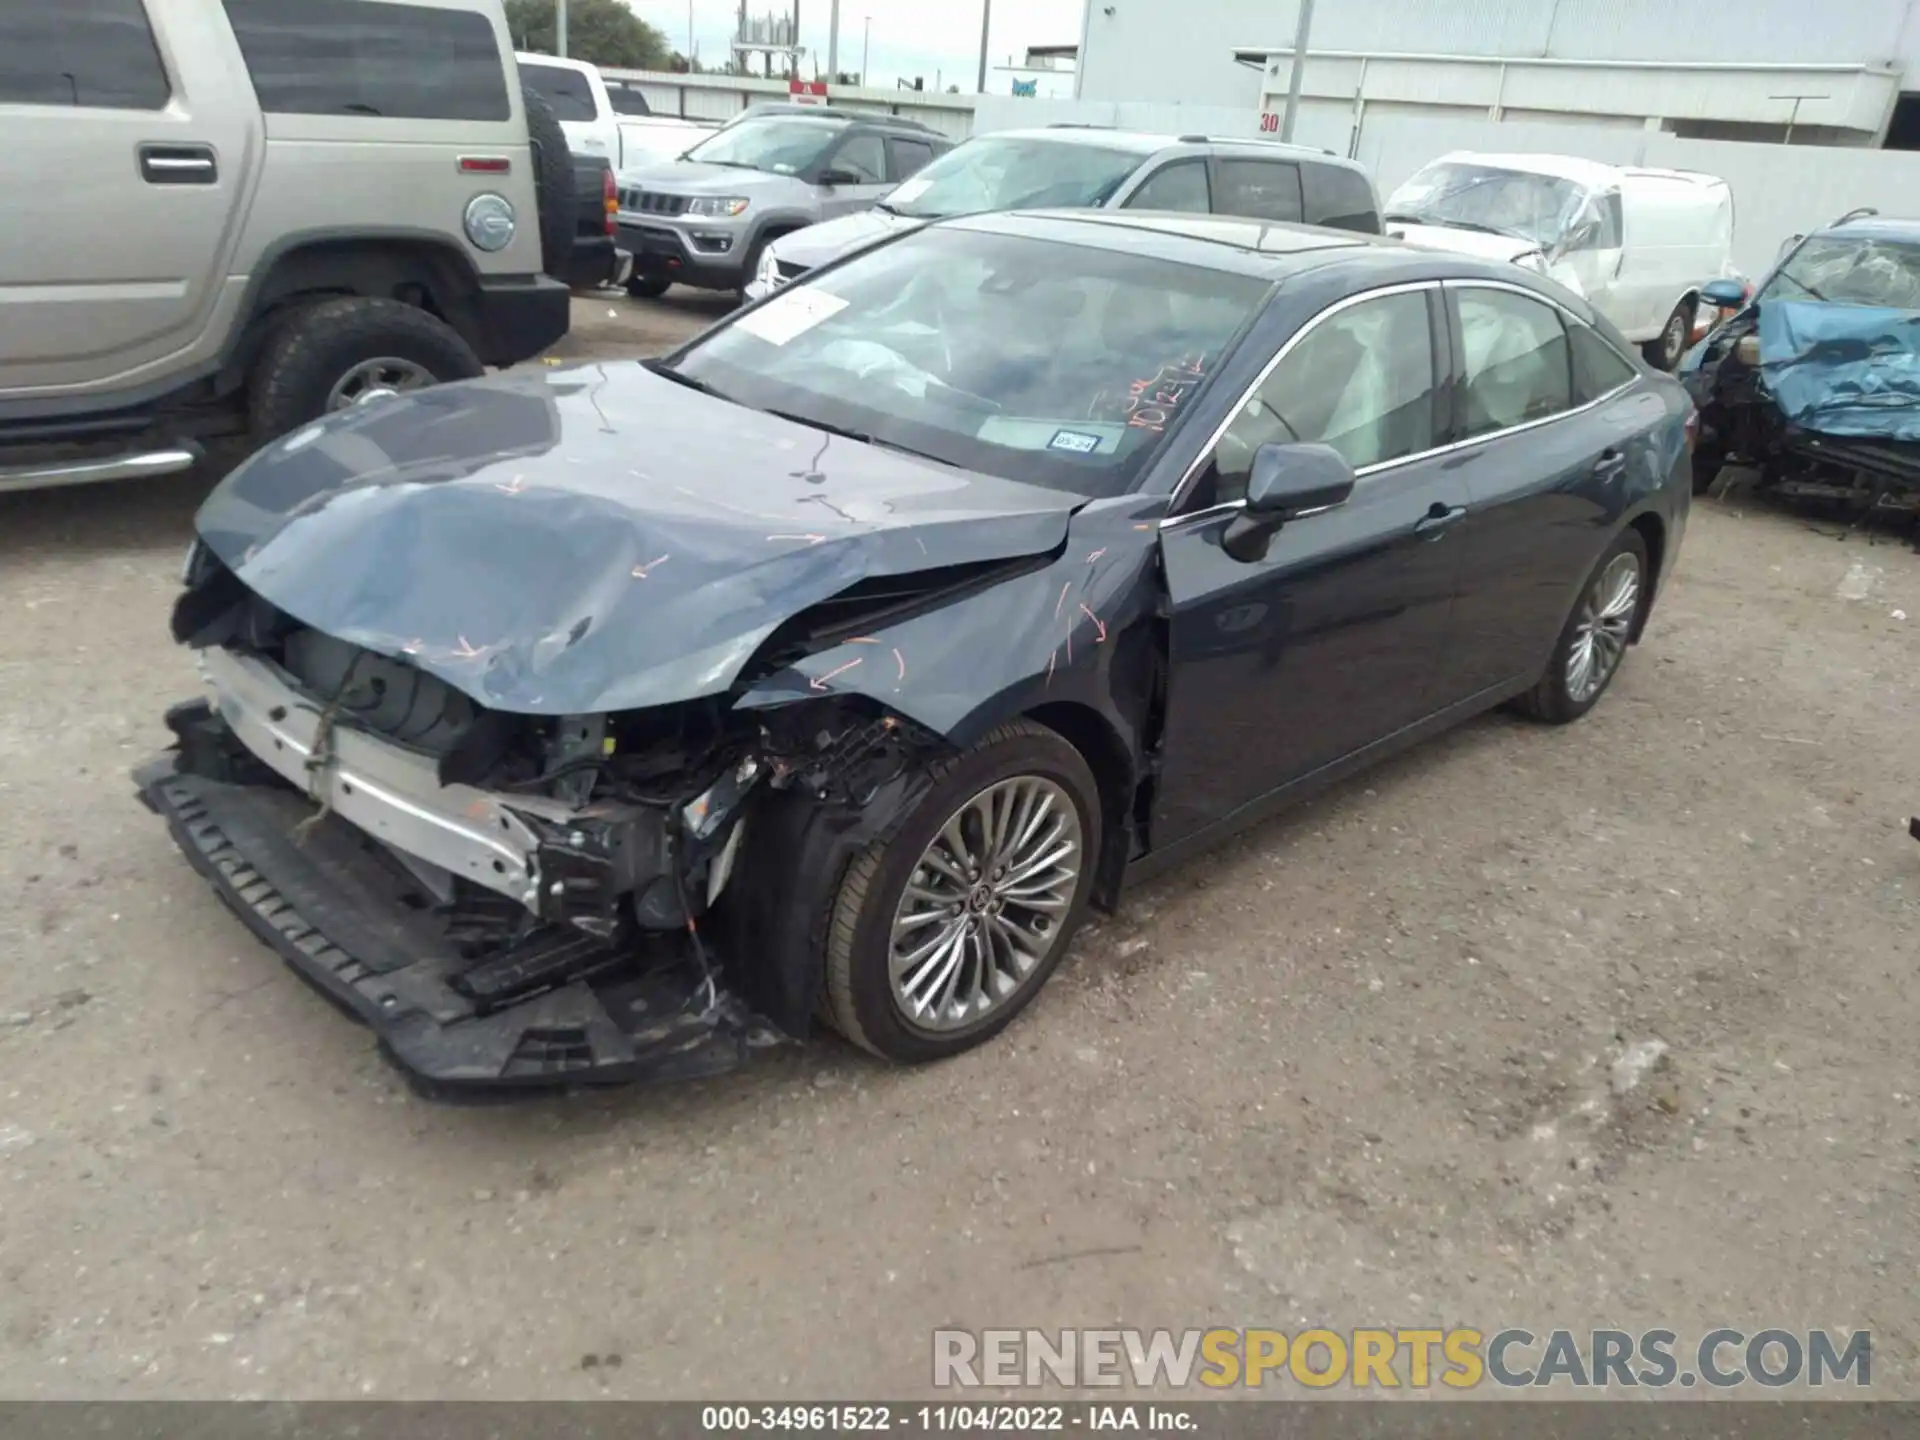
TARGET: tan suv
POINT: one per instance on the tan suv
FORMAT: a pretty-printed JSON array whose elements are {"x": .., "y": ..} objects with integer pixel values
[{"x": 227, "y": 217}]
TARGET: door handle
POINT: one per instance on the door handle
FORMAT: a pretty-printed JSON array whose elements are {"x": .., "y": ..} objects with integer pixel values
[
  {"x": 1438, "y": 520},
  {"x": 178, "y": 164},
  {"x": 1609, "y": 465}
]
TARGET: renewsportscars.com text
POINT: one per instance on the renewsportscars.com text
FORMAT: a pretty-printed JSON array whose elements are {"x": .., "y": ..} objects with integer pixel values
[{"x": 1392, "y": 1359}]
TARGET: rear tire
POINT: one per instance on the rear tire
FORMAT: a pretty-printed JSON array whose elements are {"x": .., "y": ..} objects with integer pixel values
[
  {"x": 1018, "y": 764},
  {"x": 1675, "y": 339},
  {"x": 554, "y": 197},
  {"x": 326, "y": 356},
  {"x": 1601, "y": 625},
  {"x": 648, "y": 287}
]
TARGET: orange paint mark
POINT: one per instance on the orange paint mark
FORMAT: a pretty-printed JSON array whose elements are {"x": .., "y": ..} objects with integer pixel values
[
  {"x": 1062, "y": 600},
  {"x": 863, "y": 640},
  {"x": 820, "y": 683},
  {"x": 810, "y": 539},
  {"x": 513, "y": 486},
  {"x": 1099, "y": 624},
  {"x": 901, "y": 661},
  {"x": 1096, "y": 554},
  {"x": 640, "y": 571},
  {"x": 466, "y": 650}
]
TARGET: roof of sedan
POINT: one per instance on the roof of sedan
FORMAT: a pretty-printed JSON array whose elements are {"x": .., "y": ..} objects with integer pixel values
[{"x": 1222, "y": 242}]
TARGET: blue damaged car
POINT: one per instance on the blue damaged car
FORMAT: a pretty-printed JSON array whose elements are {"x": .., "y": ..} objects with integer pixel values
[{"x": 1814, "y": 383}]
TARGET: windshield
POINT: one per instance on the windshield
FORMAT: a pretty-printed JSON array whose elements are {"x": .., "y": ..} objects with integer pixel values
[
  {"x": 566, "y": 91},
  {"x": 783, "y": 144},
  {"x": 1540, "y": 208},
  {"x": 1032, "y": 360},
  {"x": 1849, "y": 271},
  {"x": 1011, "y": 174}
]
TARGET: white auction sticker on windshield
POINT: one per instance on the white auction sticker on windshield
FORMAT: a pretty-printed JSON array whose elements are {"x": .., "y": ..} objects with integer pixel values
[
  {"x": 1074, "y": 442},
  {"x": 790, "y": 313}
]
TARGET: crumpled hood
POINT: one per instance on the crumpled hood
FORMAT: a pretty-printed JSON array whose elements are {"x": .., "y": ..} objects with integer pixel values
[
  {"x": 1843, "y": 369},
  {"x": 818, "y": 244},
  {"x": 593, "y": 539},
  {"x": 1464, "y": 242}
]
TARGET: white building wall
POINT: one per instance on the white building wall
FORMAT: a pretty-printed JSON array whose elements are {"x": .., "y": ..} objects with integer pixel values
[{"x": 1143, "y": 51}]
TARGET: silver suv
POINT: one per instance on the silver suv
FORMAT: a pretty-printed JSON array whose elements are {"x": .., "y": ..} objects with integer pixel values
[
  {"x": 706, "y": 218},
  {"x": 226, "y": 217},
  {"x": 1071, "y": 166}
]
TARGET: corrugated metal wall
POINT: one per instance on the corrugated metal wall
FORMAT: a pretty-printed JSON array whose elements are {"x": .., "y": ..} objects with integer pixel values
[{"x": 1140, "y": 52}]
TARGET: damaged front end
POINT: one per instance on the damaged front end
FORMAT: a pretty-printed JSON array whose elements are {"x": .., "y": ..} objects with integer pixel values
[
  {"x": 514, "y": 899},
  {"x": 1812, "y": 401}
]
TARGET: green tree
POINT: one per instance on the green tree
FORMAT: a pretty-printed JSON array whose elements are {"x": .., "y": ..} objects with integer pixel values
[{"x": 600, "y": 32}]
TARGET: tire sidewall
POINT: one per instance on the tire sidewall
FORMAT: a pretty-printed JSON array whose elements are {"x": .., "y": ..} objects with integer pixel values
[
  {"x": 1559, "y": 703},
  {"x": 316, "y": 347},
  {"x": 1042, "y": 755}
]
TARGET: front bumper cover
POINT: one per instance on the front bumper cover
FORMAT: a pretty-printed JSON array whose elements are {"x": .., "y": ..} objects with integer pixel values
[{"x": 337, "y": 911}]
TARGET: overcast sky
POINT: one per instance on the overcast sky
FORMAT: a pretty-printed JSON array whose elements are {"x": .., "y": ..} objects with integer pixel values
[{"x": 910, "y": 37}]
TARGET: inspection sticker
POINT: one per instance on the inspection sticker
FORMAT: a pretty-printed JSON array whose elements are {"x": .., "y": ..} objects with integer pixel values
[
  {"x": 1074, "y": 442},
  {"x": 789, "y": 314}
]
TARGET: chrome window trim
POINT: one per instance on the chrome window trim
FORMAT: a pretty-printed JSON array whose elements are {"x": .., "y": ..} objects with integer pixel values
[{"x": 1366, "y": 471}]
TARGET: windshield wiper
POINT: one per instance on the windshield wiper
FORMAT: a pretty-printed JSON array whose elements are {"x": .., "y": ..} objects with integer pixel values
[
  {"x": 680, "y": 377},
  {"x": 862, "y": 436},
  {"x": 1449, "y": 224}
]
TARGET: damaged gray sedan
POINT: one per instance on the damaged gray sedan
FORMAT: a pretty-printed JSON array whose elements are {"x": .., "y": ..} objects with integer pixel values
[{"x": 605, "y": 723}]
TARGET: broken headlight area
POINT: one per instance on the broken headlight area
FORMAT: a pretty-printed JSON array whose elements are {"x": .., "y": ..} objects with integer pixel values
[{"x": 506, "y": 898}]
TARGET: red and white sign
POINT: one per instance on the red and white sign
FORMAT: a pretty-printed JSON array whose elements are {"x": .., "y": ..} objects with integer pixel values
[{"x": 807, "y": 92}]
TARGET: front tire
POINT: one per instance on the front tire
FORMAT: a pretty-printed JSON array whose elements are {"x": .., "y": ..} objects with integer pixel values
[
  {"x": 648, "y": 287},
  {"x": 334, "y": 354},
  {"x": 945, "y": 932},
  {"x": 1595, "y": 638},
  {"x": 1665, "y": 352}
]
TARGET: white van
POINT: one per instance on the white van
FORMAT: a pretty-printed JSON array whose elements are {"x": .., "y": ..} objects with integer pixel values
[{"x": 1636, "y": 243}]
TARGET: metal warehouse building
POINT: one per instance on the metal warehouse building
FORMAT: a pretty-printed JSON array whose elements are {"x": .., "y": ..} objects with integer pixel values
[{"x": 1843, "y": 73}]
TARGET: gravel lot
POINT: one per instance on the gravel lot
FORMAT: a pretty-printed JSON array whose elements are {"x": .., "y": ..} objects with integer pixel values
[{"x": 1354, "y": 1069}]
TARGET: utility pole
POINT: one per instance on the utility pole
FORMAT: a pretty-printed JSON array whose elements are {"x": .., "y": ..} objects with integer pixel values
[
  {"x": 866, "y": 48},
  {"x": 560, "y": 28},
  {"x": 833, "y": 43},
  {"x": 1301, "y": 33},
  {"x": 986, "y": 20}
]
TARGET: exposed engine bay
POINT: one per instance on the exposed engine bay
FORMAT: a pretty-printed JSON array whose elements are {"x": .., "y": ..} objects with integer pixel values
[{"x": 583, "y": 861}]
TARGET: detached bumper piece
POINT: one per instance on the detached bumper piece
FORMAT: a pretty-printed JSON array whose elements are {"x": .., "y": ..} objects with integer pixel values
[{"x": 559, "y": 1009}]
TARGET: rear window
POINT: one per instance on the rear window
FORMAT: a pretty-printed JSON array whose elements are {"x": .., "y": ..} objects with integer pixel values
[
  {"x": 566, "y": 92},
  {"x": 96, "y": 53},
  {"x": 356, "y": 57},
  {"x": 1339, "y": 197}
]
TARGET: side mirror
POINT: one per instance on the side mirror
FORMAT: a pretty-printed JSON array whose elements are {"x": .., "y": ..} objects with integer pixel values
[
  {"x": 1287, "y": 482},
  {"x": 838, "y": 176},
  {"x": 1724, "y": 294}
]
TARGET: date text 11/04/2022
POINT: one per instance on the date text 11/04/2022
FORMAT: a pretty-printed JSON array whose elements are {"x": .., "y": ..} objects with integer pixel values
[{"x": 1015, "y": 1419}]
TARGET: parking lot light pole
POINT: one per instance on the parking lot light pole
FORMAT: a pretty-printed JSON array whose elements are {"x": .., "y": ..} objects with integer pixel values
[
  {"x": 833, "y": 43},
  {"x": 1301, "y": 32},
  {"x": 986, "y": 20},
  {"x": 560, "y": 28}
]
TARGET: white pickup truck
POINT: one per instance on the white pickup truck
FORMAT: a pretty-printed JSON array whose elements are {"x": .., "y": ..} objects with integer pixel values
[{"x": 599, "y": 122}]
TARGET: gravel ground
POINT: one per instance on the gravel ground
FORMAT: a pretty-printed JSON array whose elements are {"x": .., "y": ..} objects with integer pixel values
[{"x": 1354, "y": 1069}]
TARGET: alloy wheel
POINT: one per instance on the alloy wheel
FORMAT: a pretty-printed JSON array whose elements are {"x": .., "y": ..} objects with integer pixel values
[
  {"x": 986, "y": 904},
  {"x": 371, "y": 379},
  {"x": 1600, "y": 634}
]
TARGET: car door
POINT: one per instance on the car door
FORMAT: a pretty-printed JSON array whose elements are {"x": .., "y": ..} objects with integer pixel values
[
  {"x": 1552, "y": 424},
  {"x": 862, "y": 155},
  {"x": 905, "y": 156},
  {"x": 120, "y": 172},
  {"x": 1285, "y": 665}
]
